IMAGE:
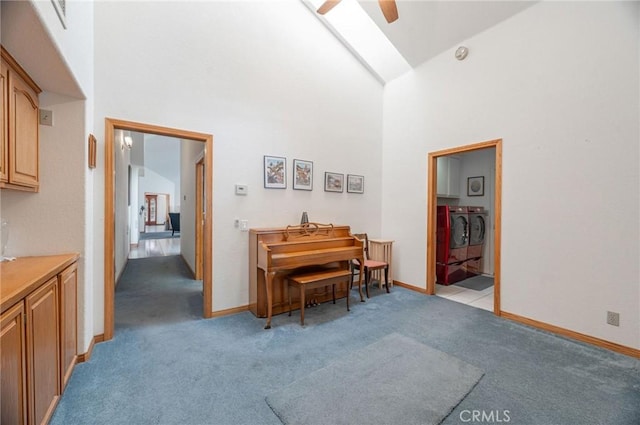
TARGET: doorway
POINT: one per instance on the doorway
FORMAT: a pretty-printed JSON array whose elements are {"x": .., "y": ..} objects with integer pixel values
[
  {"x": 432, "y": 202},
  {"x": 111, "y": 125}
]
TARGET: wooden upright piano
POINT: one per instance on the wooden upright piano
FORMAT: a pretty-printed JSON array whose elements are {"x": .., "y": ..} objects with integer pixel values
[{"x": 277, "y": 252}]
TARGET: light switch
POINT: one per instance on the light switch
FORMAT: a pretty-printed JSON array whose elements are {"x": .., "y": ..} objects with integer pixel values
[
  {"x": 244, "y": 225},
  {"x": 242, "y": 189}
]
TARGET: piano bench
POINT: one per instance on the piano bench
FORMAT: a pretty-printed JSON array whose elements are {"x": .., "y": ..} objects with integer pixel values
[{"x": 316, "y": 280}]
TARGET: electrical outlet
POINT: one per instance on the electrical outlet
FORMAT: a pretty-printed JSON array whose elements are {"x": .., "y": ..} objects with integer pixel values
[
  {"x": 613, "y": 318},
  {"x": 46, "y": 117}
]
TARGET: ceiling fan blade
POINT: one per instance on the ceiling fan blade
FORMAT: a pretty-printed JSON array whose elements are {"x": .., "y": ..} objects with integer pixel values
[
  {"x": 327, "y": 6},
  {"x": 389, "y": 10}
]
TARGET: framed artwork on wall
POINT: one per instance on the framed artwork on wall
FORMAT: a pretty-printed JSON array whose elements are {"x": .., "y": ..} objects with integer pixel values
[
  {"x": 92, "y": 151},
  {"x": 302, "y": 174},
  {"x": 355, "y": 183},
  {"x": 333, "y": 182},
  {"x": 475, "y": 186},
  {"x": 275, "y": 172}
]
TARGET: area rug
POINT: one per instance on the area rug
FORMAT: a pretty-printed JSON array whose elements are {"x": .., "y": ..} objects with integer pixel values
[
  {"x": 395, "y": 380},
  {"x": 158, "y": 235},
  {"x": 477, "y": 283}
]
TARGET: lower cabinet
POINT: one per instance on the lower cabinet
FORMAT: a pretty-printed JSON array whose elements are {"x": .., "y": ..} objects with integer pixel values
[
  {"x": 14, "y": 380},
  {"x": 68, "y": 322},
  {"x": 43, "y": 351},
  {"x": 39, "y": 349}
]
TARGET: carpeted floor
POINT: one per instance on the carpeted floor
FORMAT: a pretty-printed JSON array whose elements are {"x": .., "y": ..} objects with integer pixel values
[
  {"x": 383, "y": 383},
  {"x": 166, "y": 365}
]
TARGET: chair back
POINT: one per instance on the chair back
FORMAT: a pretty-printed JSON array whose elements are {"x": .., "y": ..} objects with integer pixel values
[{"x": 365, "y": 238}]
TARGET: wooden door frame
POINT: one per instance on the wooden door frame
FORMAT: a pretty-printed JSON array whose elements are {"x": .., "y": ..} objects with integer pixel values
[
  {"x": 111, "y": 125},
  {"x": 147, "y": 219},
  {"x": 432, "y": 202},
  {"x": 200, "y": 185}
]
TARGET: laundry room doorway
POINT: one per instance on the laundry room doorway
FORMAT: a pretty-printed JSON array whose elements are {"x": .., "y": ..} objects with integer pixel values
[{"x": 476, "y": 192}]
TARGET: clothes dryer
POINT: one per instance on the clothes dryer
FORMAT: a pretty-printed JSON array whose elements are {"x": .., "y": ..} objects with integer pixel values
[
  {"x": 478, "y": 227},
  {"x": 452, "y": 244}
]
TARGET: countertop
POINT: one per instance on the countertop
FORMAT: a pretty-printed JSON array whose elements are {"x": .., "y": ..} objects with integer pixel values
[{"x": 20, "y": 277}]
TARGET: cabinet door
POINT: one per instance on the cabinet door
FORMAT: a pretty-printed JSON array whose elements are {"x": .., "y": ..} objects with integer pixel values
[
  {"x": 4, "y": 123},
  {"x": 23, "y": 132},
  {"x": 68, "y": 325},
  {"x": 454, "y": 177},
  {"x": 43, "y": 351},
  {"x": 442, "y": 179},
  {"x": 14, "y": 384}
]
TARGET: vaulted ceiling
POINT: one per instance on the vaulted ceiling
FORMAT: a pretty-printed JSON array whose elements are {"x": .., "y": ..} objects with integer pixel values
[{"x": 426, "y": 28}]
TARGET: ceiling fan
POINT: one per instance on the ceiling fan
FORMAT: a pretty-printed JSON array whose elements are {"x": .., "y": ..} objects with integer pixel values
[{"x": 389, "y": 9}]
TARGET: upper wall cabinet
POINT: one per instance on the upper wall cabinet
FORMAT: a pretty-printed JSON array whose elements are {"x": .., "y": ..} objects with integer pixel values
[
  {"x": 19, "y": 151},
  {"x": 448, "y": 177}
]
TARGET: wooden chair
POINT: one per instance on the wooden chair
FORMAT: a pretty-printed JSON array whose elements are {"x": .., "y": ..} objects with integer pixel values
[{"x": 369, "y": 265}]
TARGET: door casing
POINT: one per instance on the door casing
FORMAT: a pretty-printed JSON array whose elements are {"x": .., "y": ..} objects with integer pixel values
[
  {"x": 432, "y": 202},
  {"x": 111, "y": 125}
]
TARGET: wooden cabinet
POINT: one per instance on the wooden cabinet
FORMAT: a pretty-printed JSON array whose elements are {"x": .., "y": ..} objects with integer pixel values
[
  {"x": 39, "y": 335},
  {"x": 20, "y": 128},
  {"x": 448, "y": 177},
  {"x": 4, "y": 123},
  {"x": 43, "y": 351},
  {"x": 68, "y": 280},
  {"x": 14, "y": 378}
]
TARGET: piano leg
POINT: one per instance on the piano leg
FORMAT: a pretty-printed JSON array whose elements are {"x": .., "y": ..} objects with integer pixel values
[{"x": 268, "y": 280}]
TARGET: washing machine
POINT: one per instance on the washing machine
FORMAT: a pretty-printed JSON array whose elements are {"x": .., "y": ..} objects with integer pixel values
[
  {"x": 452, "y": 244},
  {"x": 478, "y": 228}
]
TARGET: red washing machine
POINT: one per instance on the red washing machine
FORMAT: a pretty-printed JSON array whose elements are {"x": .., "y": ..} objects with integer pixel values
[
  {"x": 452, "y": 244},
  {"x": 478, "y": 227}
]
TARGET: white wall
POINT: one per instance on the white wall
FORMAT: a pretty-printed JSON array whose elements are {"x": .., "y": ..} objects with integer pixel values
[
  {"x": 265, "y": 78},
  {"x": 190, "y": 153},
  {"x": 559, "y": 83},
  {"x": 121, "y": 189}
]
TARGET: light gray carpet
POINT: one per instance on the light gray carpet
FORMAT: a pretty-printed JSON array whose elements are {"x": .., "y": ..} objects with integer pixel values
[
  {"x": 166, "y": 365},
  {"x": 395, "y": 380},
  {"x": 476, "y": 283}
]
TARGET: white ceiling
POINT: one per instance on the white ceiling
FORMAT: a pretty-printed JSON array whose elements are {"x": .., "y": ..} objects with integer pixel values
[{"x": 426, "y": 28}]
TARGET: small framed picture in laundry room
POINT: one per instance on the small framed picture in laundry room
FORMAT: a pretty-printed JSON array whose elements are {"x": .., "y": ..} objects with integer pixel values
[{"x": 475, "y": 186}]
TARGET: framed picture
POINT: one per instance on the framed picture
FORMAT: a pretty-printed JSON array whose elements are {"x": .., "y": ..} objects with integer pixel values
[
  {"x": 475, "y": 186},
  {"x": 302, "y": 174},
  {"x": 275, "y": 172},
  {"x": 92, "y": 151},
  {"x": 333, "y": 182},
  {"x": 355, "y": 183}
]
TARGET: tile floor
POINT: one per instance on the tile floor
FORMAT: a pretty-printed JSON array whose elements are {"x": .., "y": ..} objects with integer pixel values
[
  {"x": 155, "y": 247},
  {"x": 480, "y": 299}
]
